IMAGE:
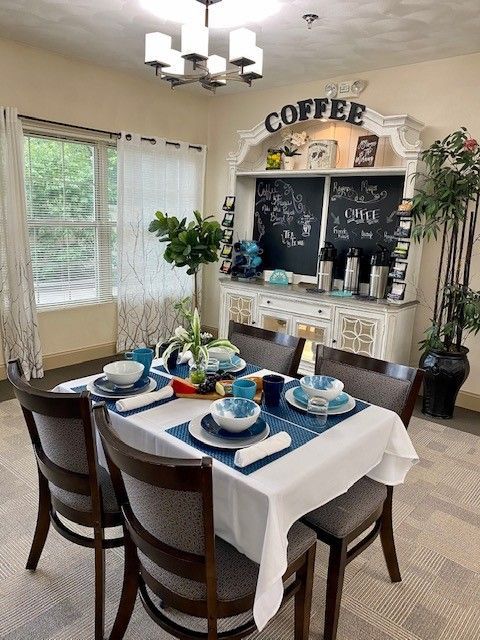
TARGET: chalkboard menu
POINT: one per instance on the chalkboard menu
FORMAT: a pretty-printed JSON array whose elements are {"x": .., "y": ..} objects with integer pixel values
[
  {"x": 288, "y": 213},
  {"x": 361, "y": 213}
]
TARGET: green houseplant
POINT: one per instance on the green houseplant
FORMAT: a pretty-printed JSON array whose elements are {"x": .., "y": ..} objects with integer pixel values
[
  {"x": 190, "y": 338},
  {"x": 446, "y": 209},
  {"x": 190, "y": 244}
]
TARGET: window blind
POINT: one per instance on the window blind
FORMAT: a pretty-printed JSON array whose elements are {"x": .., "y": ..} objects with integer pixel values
[{"x": 71, "y": 191}]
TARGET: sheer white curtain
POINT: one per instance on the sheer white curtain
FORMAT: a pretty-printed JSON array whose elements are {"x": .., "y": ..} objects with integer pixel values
[
  {"x": 18, "y": 313},
  {"x": 152, "y": 176}
]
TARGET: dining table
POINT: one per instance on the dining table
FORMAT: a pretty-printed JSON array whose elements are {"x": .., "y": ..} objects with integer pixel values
[{"x": 255, "y": 506}]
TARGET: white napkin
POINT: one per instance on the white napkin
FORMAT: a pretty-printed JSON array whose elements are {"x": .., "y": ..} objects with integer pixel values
[
  {"x": 268, "y": 447},
  {"x": 185, "y": 358},
  {"x": 144, "y": 399}
]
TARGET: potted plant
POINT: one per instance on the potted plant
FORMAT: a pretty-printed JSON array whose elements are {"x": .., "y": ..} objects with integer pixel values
[
  {"x": 292, "y": 142},
  {"x": 446, "y": 208},
  {"x": 190, "y": 338},
  {"x": 189, "y": 245}
]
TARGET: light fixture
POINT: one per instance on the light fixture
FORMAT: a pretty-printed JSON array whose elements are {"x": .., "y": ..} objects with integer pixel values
[{"x": 209, "y": 70}]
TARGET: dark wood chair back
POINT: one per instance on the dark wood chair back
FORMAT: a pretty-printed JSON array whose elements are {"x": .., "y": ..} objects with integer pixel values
[
  {"x": 278, "y": 352},
  {"x": 61, "y": 429},
  {"x": 167, "y": 507},
  {"x": 386, "y": 384}
]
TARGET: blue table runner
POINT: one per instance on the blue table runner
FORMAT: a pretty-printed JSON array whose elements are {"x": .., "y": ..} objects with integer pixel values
[
  {"x": 161, "y": 381},
  {"x": 298, "y": 424}
]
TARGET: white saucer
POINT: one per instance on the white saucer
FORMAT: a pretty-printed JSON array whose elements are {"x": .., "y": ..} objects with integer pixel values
[
  {"x": 109, "y": 396},
  {"x": 337, "y": 411},
  {"x": 198, "y": 432}
]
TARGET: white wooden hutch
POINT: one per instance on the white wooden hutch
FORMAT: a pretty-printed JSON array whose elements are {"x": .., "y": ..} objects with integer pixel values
[{"x": 376, "y": 328}]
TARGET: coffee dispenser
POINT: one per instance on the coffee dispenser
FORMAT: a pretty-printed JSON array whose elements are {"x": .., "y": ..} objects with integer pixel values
[
  {"x": 352, "y": 270},
  {"x": 380, "y": 268},
  {"x": 326, "y": 261}
]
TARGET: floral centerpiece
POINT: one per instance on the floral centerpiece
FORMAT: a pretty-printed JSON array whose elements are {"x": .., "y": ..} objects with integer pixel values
[
  {"x": 292, "y": 143},
  {"x": 191, "y": 338}
]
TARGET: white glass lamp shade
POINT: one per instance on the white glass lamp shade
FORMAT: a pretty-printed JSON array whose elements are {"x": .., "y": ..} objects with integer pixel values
[
  {"x": 176, "y": 65},
  {"x": 216, "y": 65},
  {"x": 242, "y": 47},
  {"x": 194, "y": 42},
  {"x": 255, "y": 70},
  {"x": 157, "y": 49}
]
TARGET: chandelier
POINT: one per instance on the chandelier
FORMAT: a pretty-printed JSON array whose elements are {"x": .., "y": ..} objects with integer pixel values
[{"x": 209, "y": 70}]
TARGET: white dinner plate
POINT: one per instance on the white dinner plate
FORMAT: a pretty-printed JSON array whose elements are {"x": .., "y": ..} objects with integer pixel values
[
  {"x": 337, "y": 411},
  {"x": 110, "y": 396},
  {"x": 198, "y": 432}
]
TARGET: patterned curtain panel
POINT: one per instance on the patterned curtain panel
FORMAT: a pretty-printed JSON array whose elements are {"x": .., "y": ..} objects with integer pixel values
[
  {"x": 152, "y": 176},
  {"x": 18, "y": 313}
]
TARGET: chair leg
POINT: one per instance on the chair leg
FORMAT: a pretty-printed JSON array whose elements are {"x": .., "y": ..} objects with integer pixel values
[
  {"x": 43, "y": 523},
  {"x": 129, "y": 591},
  {"x": 98, "y": 536},
  {"x": 336, "y": 572},
  {"x": 303, "y": 597},
  {"x": 387, "y": 540}
]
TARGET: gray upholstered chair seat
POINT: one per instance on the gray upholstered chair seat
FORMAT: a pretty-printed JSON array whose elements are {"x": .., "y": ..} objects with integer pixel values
[
  {"x": 83, "y": 503},
  {"x": 344, "y": 514},
  {"x": 236, "y": 574}
]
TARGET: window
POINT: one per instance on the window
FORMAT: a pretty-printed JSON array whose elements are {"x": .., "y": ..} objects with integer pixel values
[{"x": 71, "y": 188}]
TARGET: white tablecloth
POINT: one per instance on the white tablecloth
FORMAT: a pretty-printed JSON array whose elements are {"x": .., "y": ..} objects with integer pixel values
[{"x": 255, "y": 512}]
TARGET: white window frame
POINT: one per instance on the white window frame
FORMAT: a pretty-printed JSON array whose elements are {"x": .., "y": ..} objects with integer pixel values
[{"x": 105, "y": 285}]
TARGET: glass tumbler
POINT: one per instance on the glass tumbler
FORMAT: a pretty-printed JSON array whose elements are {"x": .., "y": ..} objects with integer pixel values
[{"x": 317, "y": 408}]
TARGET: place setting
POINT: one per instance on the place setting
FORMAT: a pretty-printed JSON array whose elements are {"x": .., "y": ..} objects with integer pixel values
[{"x": 317, "y": 392}]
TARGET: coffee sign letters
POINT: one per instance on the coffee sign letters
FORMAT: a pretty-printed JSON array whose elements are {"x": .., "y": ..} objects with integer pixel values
[{"x": 315, "y": 109}]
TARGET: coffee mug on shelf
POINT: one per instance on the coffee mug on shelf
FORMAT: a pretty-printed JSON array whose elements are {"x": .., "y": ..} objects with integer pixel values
[{"x": 142, "y": 355}]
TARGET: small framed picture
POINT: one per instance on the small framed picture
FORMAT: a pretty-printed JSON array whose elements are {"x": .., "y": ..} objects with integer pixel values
[
  {"x": 227, "y": 237},
  {"x": 397, "y": 292},
  {"x": 228, "y": 220},
  {"x": 229, "y": 204},
  {"x": 401, "y": 250},
  {"x": 399, "y": 270},
  {"x": 226, "y": 251},
  {"x": 226, "y": 267},
  {"x": 366, "y": 151},
  {"x": 404, "y": 228}
]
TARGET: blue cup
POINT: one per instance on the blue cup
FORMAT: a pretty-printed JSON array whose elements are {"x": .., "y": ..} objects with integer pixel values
[
  {"x": 244, "y": 389},
  {"x": 144, "y": 356},
  {"x": 272, "y": 390}
]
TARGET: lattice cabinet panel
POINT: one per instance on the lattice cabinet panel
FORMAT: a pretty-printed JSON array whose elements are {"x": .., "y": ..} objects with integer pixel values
[
  {"x": 358, "y": 335},
  {"x": 241, "y": 308}
]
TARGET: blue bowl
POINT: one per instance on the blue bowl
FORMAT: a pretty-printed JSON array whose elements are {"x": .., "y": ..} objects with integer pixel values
[
  {"x": 324, "y": 387},
  {"x": 235, "y": 414}
]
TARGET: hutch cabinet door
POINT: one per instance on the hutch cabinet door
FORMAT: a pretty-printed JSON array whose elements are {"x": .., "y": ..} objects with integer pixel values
[
  {"x": 315, "y": 332},
  {"x": 358, "y": 333},
  {"x": 238, "y": 306},
  {"x": 273, "y": 321}
]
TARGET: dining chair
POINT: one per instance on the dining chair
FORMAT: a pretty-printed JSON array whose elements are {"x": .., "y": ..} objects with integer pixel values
[
  {"x": 278, "y": 352},
  {"x": 367, "y": 504},
  {"x": 71, "y": 483},
  {"x": 191, "y": 583}
]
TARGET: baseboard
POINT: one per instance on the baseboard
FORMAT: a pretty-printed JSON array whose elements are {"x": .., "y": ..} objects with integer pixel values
[
  {"x": 469, "y": 400},
  {"x": 75, "y": 356}
]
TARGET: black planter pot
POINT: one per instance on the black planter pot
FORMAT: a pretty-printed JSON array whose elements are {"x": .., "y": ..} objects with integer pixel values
[{"x": 444, "y": 375}]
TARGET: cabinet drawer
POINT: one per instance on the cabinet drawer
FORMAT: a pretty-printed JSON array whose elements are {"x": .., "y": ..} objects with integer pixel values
[{"x": 298, "y": 307}]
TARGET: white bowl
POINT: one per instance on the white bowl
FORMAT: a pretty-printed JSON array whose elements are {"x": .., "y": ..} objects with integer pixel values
[
  {"x": 221, "y": 354},
  {"x": 235, "y": 414},
  {"x": 321, "y": 387},
  {"x": 124, "y": 373}
]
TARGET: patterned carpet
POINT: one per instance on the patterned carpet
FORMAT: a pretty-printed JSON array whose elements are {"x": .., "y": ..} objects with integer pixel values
[{"x": 437, "y": 528}]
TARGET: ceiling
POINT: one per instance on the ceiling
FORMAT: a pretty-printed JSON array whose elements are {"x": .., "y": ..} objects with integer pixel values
[{"x": 350, "y": 36}]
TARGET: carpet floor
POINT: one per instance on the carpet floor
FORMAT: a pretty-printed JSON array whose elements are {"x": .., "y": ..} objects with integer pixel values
[{"x": 437, "y": 530}]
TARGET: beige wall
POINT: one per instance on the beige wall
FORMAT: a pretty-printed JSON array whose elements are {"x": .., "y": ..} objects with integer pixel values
[
  {"x": 54, "y": 87},
  {"x": 443, "y": 94}
]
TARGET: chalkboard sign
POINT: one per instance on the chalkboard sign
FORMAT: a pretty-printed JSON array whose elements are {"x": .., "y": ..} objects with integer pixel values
[
  {"x": 288, "y": 213},
  {"x": 362, "y": 213}
]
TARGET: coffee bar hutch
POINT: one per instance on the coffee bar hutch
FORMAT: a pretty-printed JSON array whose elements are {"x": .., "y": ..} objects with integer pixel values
[{"x": 378, "y": 328}]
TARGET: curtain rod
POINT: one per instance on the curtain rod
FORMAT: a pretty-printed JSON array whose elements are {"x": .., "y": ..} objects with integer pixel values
[{"x": 108, "y": 133}]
